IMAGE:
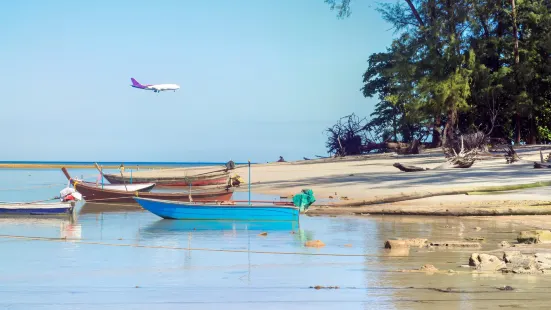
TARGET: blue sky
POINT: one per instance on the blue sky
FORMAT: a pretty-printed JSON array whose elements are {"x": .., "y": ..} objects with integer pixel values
[{"x": 258, "y": 78}]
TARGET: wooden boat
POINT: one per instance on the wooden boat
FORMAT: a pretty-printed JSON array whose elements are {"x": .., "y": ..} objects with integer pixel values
[
  {"x": 142, "y": 187},
  {"x": 35, "y": 208},
  {"x": 219, "y": 211},
  {"x": 201, "y": 180},
  {"x": 97, "y": 194}
]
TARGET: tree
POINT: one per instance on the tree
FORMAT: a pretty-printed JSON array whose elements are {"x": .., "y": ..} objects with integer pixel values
[{"x": 460, "y": 66}]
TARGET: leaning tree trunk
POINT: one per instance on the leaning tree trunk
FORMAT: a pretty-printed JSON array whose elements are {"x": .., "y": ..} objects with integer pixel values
[
  {"x": 517, "y": 61},
  {"x": 436, "y": 135},
  {"x": 450, "y": 126}
]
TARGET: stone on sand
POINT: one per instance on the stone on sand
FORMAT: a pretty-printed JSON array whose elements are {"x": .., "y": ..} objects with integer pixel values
[
  {"x": 534, "y": 236},
  {"x": 405, "y": 243}
]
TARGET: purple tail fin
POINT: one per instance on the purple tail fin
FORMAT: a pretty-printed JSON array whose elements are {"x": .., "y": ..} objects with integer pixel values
[{"x": 136, "y": 83}]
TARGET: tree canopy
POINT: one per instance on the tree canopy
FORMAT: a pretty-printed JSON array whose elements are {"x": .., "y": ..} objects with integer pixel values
[{"x": 461, "y": 66}]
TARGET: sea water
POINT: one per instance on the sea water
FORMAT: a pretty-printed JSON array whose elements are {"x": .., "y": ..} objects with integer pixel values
[{"x": 121, "y": 257}]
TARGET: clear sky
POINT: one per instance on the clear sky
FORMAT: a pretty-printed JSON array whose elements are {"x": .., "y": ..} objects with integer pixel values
[{"x": 259, "y": 78}]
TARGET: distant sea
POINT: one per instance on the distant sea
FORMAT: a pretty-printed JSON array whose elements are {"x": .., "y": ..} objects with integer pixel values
[{"x": 113, "y": 163}]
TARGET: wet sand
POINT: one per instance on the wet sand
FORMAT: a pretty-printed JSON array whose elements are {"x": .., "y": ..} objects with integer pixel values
[{"x": 370, "y": 184}]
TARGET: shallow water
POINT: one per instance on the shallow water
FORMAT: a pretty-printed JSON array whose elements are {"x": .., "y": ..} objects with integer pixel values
[{"x": 118, "y": 257}]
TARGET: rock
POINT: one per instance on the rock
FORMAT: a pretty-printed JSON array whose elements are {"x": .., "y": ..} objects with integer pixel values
[
  {"x": 486, "y": 262},
  {"x": 526, "y": 264},
  {"x": 314, "y": 244},
  {"x": 456, "y": 244},
  {"x": 543, "y": 261},
  {"x": 429, "y": 268},
  {"x": 516, "y": 258},
  {"x": 504, "y": 244},
  {"x": 475, "y": 238},
  {"x": 405, "y": 243},
  {"x": 473, "y": 260},
  {"x": 534, "y": 236},
  {"x": 319, "y": 287},
  {"x": 397, "y": 252}
]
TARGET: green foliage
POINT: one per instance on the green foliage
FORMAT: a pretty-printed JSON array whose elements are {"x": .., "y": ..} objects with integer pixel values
[{"x": 452, "y": 67}]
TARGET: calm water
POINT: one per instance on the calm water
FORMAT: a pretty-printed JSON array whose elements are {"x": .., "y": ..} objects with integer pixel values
[{"x": 118, "y": 257}]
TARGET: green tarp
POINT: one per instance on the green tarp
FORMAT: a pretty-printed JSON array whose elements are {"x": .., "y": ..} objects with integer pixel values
[{"x": 304, "y": 199}]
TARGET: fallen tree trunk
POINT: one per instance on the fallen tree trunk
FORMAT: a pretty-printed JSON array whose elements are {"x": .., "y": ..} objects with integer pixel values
[
  {"x": 398, "y": 147},
  {"x": 462, "y": 164},
  {"x": 540, "y": 165},
  {"x": 409, "y": 168}
]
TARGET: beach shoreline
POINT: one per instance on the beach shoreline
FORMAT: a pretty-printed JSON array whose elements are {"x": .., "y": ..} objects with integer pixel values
[{"x": 370, "y": 184}]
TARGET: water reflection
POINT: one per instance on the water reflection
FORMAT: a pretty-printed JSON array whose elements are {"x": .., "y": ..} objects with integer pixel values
[
  {"x": 49, "y": 227},
  {"x": 98, "y": 208},
  {"x": 177, "y": 226}
]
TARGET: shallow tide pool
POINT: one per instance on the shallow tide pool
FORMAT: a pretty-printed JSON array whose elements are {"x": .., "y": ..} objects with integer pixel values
[{"x": 119, "y": 257}]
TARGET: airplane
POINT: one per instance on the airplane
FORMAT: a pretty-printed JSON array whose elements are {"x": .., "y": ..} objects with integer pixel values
[{"x": 156, "y": 88}]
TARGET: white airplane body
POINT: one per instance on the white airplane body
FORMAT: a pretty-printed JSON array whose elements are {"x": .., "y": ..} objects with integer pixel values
[{"x": 155, "y": 87}]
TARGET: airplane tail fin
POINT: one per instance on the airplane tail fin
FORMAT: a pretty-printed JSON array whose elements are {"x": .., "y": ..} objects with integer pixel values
[{"x": 136, "y": 83}]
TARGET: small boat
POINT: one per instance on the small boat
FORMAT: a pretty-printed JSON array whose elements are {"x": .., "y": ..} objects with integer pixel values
[
  {"x": 142, "y": 187},
  {"x": 92, "y": 193},
  {"x": 219, "y": 211},
  {"x": 36, "y": 208},
  {"x": 217, "y": 179}
]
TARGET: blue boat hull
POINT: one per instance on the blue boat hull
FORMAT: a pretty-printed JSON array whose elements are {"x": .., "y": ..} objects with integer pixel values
[
  {"x": 36, "y": 208},
  {"x": 37, "y": 211},
  {"x": 188, "y": 211}
]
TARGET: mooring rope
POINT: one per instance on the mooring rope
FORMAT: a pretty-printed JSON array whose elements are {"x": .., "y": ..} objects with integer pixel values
[
  {"x": 51, "y": 239},
  {"x": 32, "y": 187}
]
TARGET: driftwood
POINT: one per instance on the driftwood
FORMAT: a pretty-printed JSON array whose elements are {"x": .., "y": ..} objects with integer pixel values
[
  {"x": 510, "y": 155},
  {"x": 398, "y": 147},
  {"x": 463, "y": 163},
  {"x": 409, "y": 168},
  {"x": 540, "y": 165},
  {"x": 466, "y": 156}
]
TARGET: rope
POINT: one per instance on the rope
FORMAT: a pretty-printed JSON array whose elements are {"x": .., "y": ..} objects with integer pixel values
[
  {"x": 33, "y": 187},
  {"x": 181, "y": 248}
]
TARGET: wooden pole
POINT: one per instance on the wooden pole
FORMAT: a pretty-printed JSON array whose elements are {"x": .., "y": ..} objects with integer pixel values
[
  {"x": 249, "y": 182},
  {"x": 100, "y": 172},
  {"x": 123, "y": 181}
]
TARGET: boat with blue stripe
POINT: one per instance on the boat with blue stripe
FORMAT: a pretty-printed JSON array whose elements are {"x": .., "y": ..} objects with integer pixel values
[
  {"x": 31, "y": 208},
  {"x": 220, "y": 211}
]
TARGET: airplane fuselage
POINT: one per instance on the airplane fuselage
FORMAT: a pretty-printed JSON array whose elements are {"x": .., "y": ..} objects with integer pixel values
[
  {"x": 155, "y": 87},
  {"x": 162, "y": 87}
]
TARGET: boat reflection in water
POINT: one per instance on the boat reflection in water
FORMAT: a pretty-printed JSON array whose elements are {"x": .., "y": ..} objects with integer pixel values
[
  {"x": 177, "y": 226},
  {"x": 64, "y": 228},
  {"x": 98, "y": 208}
]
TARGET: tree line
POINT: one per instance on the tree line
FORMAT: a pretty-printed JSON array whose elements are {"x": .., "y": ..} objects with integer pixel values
[{"x": 456, "y": 67}]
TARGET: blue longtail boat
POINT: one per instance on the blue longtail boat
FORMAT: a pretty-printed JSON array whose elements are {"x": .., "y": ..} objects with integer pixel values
[
  {"x": 230, "y": 210},
  {"x": 219, "y": 211}
]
